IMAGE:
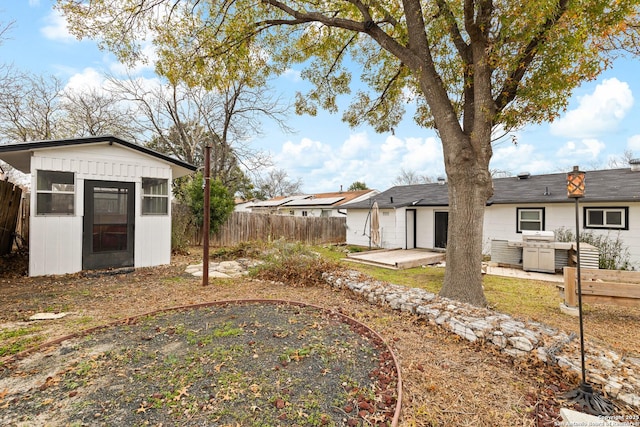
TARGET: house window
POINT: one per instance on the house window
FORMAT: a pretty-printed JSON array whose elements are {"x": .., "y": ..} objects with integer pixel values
[
  {"x": 325, "y": 213},
  {"x": 304, "y": 213},
  {"x": 55, "y": 193},
  {"x": 155, "y": 196},
  {"x": 607, "y": 218},
  {"x": 530, "y": 219}
]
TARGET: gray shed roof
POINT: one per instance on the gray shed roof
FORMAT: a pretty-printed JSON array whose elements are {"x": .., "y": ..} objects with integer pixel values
[
  {"x": 18, "y": 155},
  {"x": 610, "y": 185}
]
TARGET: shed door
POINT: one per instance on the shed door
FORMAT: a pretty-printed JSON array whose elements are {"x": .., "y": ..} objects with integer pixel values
[
  {"x": 441, "y": 225},
  {"x": 109, "y": 219}
]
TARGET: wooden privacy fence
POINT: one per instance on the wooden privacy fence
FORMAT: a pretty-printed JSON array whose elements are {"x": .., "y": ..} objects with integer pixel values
[
  {"x": 619, "y": 287},
  {"x": 248, "y": 227},
  {"x": 10, "y": 196}
]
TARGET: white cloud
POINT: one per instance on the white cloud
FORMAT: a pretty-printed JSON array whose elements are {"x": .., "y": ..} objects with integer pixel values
[
  {"x": 587, "y": 149},
  {"x": 421, "y": 155},
  {"x": 89, "y": 79},
  {"x": 390, "y": 150},
  {"x": 355, "y": 144},
  {"x": 359, "y": 158},
  {"x": 306, "y": 154},
  {"x": 633, "y": 143},
  {"x": 292, "y": 74},
  {"x": 516, "y": 158},
  {"x": 56, "y": 28},
  {"x": 596, "y": 113}
]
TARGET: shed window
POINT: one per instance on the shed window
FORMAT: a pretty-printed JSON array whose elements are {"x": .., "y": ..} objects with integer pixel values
[
  {"x": 155, "y": 196},
  {"x": 530, "y": 219},
  {"x": 55, "y": 193},
  {"x": 607, "y": 218}
]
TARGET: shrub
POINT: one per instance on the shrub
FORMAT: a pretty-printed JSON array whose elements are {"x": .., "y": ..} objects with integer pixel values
[
  {"x": 181, "y": 228},
  {"x": 614, "y": 255},
  {"x": 293, "y": 264},
  {"x": 240, "y": 250}
]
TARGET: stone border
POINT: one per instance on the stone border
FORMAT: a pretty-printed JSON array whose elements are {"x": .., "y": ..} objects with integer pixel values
[{"x": 619, "y": 376}]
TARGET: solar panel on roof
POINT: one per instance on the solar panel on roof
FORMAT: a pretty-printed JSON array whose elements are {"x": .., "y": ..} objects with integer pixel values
[{"x": 315, "y": 202}]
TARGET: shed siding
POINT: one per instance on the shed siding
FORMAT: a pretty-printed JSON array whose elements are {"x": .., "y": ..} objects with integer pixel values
[{"x": 56, "y": 241}]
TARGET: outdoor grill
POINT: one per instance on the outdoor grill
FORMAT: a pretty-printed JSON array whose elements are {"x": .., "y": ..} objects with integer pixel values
[{"x": 538, "y": 251}]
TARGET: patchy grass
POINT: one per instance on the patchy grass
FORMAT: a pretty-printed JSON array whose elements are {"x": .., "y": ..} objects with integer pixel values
[
  {"x": 523, "y": 299},
  {"x": 16, "y": 340}
]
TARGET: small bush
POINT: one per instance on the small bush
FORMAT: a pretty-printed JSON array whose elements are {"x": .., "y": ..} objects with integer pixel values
[
  {"x": 240, "y": 250},
  {"x": 293, "y": 264},
  {"x": 181, "y": 228},
  {"x": 614, "y": 255}
]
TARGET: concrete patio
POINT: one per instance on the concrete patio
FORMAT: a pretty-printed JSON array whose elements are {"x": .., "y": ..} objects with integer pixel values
[{"x": 398, "y": 259}]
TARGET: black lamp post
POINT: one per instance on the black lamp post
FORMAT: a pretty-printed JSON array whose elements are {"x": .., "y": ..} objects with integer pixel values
[{"x": 589, "y": 400}]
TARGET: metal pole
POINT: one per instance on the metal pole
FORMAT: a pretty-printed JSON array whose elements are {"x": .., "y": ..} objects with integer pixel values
[
  {"x": 584, "y": 372},
  {"x": 207, "y": 215},
  {"x": 584, "y": 396}
]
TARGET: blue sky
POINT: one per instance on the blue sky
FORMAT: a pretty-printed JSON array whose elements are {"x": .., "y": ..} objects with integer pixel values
[{"x": 602, "y": 121}]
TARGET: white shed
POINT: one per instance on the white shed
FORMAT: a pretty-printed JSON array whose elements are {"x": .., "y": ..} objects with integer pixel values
[{"x": 96, "y": 203}]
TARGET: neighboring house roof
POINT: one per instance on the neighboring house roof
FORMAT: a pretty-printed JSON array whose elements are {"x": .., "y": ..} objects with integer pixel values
[
  {"x": 314, "y": 201},
  {"x": 18, "y": 155},
  {"x": 610, "y": 185},
  {"x": 326, "y": 200},
  {"x": 275, "y": 202}
]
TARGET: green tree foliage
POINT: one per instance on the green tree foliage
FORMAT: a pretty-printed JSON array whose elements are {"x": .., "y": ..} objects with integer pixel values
[
  {"x": 222, "y": 202},
  {"x": 469, "y": 66},
  {"x": 357, "y": 185}
]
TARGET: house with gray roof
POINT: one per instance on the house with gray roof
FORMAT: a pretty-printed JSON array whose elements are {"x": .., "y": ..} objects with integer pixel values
[
  {"x": 311, "y": 205},
  {"x": 416, "y": 216}
]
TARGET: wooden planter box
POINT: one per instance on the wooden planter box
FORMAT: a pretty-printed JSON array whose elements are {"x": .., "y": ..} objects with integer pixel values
[{"x": 619, "y": 287}]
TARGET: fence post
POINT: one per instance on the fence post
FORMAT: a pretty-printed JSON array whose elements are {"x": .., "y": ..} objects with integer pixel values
[
  {"x": 570, "y": 295},
  {"x": 9, "y": 209}
]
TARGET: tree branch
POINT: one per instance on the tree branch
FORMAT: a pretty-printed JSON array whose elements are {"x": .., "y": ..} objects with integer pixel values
[{"x": 510, "y": 87}]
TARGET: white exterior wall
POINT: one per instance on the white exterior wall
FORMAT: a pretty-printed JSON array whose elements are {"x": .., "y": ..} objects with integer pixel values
[
  {"x": 55, "y": 242},
  {"x": 500, "y": 223},
  {"x": 425, "y": 228},
  {"x": 357, "y": 227},
  {"x": 391, "y": 228}
]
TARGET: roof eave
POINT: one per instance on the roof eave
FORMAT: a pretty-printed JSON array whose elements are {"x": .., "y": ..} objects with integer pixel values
[{"x": 23, "y": 151}]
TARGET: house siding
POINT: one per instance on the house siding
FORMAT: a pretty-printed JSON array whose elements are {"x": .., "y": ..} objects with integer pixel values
[
  {"x": 391, "y": 228},
  {"x": 425, "y": 228},
  {"x": 56, "y": 241},
  {"x": 500, "y": 223}
]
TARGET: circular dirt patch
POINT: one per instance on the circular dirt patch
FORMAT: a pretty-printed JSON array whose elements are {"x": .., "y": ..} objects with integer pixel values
[{"x": 232, "y": 363}]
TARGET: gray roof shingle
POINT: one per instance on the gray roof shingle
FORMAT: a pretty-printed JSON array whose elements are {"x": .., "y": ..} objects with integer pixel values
[{"x": 610, "y": 185}]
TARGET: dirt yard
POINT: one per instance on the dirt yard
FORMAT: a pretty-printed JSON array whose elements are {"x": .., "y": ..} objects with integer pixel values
[{"x": 446, "y": 381}]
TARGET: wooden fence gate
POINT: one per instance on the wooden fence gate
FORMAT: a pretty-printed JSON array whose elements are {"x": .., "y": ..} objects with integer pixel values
[{"x": 9, "y": 209}]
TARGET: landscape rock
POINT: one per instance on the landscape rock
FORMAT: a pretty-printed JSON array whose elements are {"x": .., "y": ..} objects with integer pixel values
[{"x": 514, "y": 337}]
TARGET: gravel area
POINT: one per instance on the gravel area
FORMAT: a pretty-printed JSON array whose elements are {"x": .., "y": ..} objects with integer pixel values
[{"x": 249, "y": 364}]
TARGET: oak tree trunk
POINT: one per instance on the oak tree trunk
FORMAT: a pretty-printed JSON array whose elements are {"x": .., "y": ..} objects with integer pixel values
[{"x": 469, "y": 187}]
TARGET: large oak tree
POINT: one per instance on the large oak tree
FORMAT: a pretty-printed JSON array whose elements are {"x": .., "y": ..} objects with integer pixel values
[{"x": 469, "y": 65}]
